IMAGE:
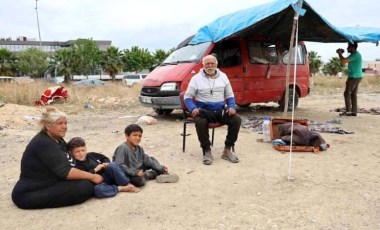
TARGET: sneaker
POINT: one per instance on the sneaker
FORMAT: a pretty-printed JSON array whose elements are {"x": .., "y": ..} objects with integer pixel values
[
  {"x": 167, "y": 178},
  {"x": 150, "y": 175},
  {"x": 208, "y": 158}
]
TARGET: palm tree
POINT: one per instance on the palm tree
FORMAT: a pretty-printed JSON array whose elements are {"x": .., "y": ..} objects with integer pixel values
[
  {"x": 333, "y": 67},
  {"x": 112, "y": 61},
  {"x": 66, "y": 61},
  {"x": 314, "y": 62}
]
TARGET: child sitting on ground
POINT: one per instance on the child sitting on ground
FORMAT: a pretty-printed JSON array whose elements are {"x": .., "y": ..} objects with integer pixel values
[
  {"x": 114, "y": 178},
  {"x": 137, "y": 165}
]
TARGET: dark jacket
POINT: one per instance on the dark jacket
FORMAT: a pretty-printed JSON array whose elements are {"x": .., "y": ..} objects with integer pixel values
[{"x": 92, "y": 160}]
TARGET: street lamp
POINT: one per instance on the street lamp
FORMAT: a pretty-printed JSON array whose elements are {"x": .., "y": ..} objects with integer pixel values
[{"x": 38, "y": 25}]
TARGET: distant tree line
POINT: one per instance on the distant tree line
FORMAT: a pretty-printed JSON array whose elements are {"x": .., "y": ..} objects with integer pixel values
[
  {"x": 85, "y": 58},
  {"x": 82, "y": 58},
  {"x": 332, "y": 67}
]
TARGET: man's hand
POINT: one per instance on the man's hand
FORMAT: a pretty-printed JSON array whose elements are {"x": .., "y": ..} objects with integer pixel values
[
  {"x": 231, "y": 111},
  {"x": 195, "y": 112}
]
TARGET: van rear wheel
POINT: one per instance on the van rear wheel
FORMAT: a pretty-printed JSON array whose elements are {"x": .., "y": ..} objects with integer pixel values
[
  {"x": 290, "y": 102},
  {"x": 163, "y": 111}
]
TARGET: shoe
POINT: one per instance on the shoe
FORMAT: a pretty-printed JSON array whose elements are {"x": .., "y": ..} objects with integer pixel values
[
  {"x": 150, "y": 174},
  {"x": 208, "y": 158},
  {"x": 348, "y": 114},
  {"x": 167, "y": 178},
  {"x": 229, "y": 156}
]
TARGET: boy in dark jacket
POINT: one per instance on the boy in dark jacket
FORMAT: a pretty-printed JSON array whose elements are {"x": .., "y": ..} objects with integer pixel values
[
  {"x": 114, "y": 178},
  {"x": 136, "y": 164}
]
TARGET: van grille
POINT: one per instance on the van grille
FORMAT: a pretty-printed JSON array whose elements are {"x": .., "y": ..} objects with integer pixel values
[{"x": 155, "y": 92}]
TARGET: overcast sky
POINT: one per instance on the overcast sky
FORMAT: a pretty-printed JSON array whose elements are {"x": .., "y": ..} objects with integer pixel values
[{"x": 160, "y": 24}]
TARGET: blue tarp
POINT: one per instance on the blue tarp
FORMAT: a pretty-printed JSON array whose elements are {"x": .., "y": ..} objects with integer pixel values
[{"x": 274, "y": 21}]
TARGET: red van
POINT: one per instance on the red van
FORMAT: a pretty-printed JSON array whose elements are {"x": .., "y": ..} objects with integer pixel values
[{"x": 256, "y": 69}]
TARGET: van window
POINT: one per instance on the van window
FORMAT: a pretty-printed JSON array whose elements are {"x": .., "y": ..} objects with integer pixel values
[
  {"x": 190, "y": 53},
  {"x": 228, "y": 53},
  {"x": 262, "y": 52},
  {"x": 300, "y": 55}
]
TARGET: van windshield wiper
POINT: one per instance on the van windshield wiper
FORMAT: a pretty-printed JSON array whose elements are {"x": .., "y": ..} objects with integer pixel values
[{"x": 176, "y": 62}]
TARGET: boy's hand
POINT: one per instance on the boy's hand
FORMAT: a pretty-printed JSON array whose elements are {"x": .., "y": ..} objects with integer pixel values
[
  {"x": 165, "y": 171},
  {"x": 96, "y": 179},
  {"x": 99, "y": 167},
  {"x": 140, "y": 172}
]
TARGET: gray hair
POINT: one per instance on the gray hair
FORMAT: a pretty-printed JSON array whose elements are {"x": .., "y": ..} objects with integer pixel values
[
  {"x": 208, "y": 56},
  {"x": 50, "y": 115}
]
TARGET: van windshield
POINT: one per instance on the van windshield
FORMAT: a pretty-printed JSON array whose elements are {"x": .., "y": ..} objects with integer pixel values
[{"x": 190, "y": 53}]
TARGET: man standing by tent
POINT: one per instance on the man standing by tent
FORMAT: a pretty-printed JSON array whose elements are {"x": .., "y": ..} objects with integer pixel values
[{"x": 355, "y": 75}]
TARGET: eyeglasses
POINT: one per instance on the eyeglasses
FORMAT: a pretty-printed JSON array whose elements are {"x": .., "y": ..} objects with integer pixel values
[{"x": 210, "y": 63}]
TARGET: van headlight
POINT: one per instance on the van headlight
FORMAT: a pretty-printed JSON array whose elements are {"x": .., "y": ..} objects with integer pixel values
[{"x": 169, "y": 86}]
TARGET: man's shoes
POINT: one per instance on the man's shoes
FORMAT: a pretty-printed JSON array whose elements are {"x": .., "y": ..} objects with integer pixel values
[
  {"x": 229, "y": 156},
  {"x": 348, "y": 114},
  {"x": 167, "y": 178},
  {"x": 207, "y": 158},
  {"x": 150, "y": 175}
]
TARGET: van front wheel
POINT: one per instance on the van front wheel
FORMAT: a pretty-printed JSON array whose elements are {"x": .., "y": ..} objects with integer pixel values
[
  {"x": 163, "y": 111},
  {"x": 290, "y": 102}
]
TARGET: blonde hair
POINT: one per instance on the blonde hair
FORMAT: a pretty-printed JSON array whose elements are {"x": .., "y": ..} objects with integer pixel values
[{"x": 50, "y": 115}]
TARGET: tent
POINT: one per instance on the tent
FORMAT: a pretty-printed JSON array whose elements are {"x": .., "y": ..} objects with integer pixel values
[
  {"x": 282, "y": 20},
  {"x": 274, "y": 21}
]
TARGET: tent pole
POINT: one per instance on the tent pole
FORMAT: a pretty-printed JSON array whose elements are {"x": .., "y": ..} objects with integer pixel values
[{"x": 295, "y": 19}]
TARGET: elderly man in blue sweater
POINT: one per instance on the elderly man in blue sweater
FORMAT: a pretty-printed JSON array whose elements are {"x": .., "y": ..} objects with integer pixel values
[{"x": 210, "y": 98}]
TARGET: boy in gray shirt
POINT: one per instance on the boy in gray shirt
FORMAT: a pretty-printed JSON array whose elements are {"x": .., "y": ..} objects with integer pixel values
[{"x": 135, "y": 163}]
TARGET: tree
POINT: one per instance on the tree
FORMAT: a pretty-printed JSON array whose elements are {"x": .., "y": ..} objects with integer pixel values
[
  {"x": 112, "y": 61},
  {"x": 7, "y": 63},
  {"x": 136, "y": 59},
  {"x": 314, "y": 62},
  {"x": 65, "y": 61},
  {"x": 32, "y": 62},
  {"x": 333, "y": 67},
  {"x": 88, "y": 54}
]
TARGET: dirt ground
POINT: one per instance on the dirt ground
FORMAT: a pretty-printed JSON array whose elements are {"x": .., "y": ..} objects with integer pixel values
[{"x": 335, "y": 189}]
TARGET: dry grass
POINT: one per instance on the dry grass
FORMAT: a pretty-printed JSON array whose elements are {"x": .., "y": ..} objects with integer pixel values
[
  {"x": 115, "y": 95},
  {"x": 112, "y": 94},
  {"x": 327, "y": 85}
]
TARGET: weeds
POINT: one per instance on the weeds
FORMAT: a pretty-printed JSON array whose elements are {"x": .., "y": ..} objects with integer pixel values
[{"x": 117, "y": 95}]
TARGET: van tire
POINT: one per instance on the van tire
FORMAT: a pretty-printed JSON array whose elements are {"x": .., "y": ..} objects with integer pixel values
[
  {"x": 290, "y": 105},
  {"x": 163, "y": 111}
]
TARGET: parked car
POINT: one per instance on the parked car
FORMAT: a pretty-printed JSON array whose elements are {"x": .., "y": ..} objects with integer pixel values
[
  {"x": 89, "y": 83},
  {"x": 4, "y": 79},
  {"x": 132, "y": 79},
  {"x": 55, "y": 79}
]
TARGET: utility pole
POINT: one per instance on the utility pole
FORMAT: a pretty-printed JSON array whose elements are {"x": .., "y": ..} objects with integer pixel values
[{"x": 38, "y": 25}]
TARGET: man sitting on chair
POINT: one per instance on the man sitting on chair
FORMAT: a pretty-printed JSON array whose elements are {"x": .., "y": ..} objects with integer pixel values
[{"x": 205, "y": 98}]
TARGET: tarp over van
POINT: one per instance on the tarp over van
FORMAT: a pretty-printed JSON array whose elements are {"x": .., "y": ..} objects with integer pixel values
[{"x": 274, "y": 21}]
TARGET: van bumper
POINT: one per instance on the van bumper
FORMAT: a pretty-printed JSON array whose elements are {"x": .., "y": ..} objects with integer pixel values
[{"x": 172, "y": 102}]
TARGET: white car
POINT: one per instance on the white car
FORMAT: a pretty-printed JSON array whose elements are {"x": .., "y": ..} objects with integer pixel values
[
  {"x": 132, "y": 79},
  {"x": 5, "y": 79}
]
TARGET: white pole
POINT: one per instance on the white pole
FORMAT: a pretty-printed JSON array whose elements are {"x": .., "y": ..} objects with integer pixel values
[{"x": 38, "y": 25}]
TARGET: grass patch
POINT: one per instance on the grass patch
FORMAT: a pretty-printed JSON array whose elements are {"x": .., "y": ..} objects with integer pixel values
[
  {"x": 111, "y": 95},
  {"x": 328, "y": 85}
]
